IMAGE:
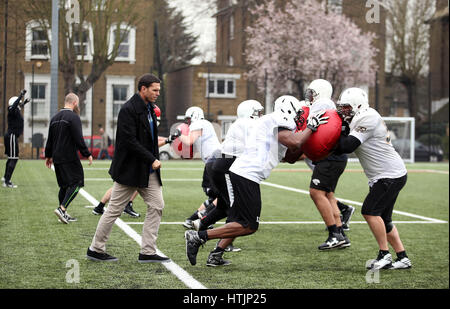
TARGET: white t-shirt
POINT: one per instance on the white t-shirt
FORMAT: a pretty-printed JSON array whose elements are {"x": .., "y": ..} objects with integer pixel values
[
  {"x": 376, "y": 153},
  {"x": 208, "y": 142},
  {"x": 263, "y": 152},
  {"x": 235, "y": 141}
]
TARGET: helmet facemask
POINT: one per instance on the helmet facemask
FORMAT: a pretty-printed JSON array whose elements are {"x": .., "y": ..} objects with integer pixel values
[
  {"x": 300, "y": 119},
  {"x": 310, "y": 96}
]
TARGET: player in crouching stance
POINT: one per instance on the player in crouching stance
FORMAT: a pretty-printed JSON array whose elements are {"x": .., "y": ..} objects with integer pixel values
[
  {"x": 268, "y": 144},
  {"x": 383, "y": 166}
]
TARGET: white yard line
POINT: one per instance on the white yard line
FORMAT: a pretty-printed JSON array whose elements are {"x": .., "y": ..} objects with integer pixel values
[
  {"x": 353, "y": 202},
  {"x": 179, "y": 272}
]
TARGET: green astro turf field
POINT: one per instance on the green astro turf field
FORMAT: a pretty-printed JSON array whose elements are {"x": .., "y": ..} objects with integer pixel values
[{"x": 37, "y": 251}]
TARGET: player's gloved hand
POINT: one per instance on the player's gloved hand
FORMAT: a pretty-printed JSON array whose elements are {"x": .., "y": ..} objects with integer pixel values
[
  {"x": 315, "y": 120},
  {"x": 22, "y": 93},
  {"x": 24, "y": 102}
]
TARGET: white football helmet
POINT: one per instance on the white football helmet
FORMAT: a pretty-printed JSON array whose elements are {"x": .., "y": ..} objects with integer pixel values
[
  {"x": 351, "y": 102},
  {"x": 194, "y": 113},
  {"x": 288, "y": 105},
  {"x": 318, "y": 89},
  {"x": 12, "y": 100},
  {"x": 249, "y": 109}
]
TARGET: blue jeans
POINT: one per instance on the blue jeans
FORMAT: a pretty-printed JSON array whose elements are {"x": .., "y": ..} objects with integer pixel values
[{"x": 100, "y": 154}]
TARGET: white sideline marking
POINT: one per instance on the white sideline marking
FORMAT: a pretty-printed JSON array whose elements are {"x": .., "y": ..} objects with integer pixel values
[
  {"x": 179, "y": 272},
  {"x": 293, "y": 190},
  {"x": 295, "y": 222},
  {"x": 353, "y": 202}
]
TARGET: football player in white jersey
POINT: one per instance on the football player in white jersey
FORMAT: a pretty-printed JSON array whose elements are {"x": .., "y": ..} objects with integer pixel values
[
  {"x": 232, "y": 147},
  {"x": 369, "y": 140},
  {"x": 326, "y": 174},
  {"x": 203, "y": 136},
  {"x": 267, "y": 144}
]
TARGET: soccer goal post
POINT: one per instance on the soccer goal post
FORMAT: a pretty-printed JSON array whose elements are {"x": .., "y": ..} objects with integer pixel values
[{"x": 402, "y": 135}]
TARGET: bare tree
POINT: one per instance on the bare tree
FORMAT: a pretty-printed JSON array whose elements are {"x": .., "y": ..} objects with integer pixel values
[
  {"x": 408, "y": 44},
  {"x": 110, "y": 22}
]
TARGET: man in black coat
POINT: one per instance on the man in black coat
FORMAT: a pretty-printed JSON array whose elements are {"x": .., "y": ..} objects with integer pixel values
[
  {"x": 135, "y": 166},
  {"x": 65, "y": 138}
]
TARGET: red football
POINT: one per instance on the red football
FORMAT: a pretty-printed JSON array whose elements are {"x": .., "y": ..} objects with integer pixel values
[
  {"x": 321, "y": 142},
  {"x": 186, "y": 152}
]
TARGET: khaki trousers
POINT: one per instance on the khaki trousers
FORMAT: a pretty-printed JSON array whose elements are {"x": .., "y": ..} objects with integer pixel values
[{"x": 120, "y": 196}]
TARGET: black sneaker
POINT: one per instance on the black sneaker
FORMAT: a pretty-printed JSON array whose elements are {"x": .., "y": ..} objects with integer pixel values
[
  {"x": 130, "y": 211},
  {"x": 193, "y": 242},
  {"x": 98, "y": 210},
  {"x": 61, "y": 214},
  {"x": 102, "y": 257},
  {"x": 216, "y": 259},
  {"x": 346, "y": 216},
  {"x": 9, "y": 184},
  {"x": 154, "y": 258},
  {"x": 346, "y": 243},
  {"x": 334, "y": 240},
  {"x": 70, "y": 218}
]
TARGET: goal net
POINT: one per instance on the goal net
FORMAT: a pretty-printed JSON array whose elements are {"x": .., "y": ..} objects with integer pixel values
[{"x": 402, "y": 135}]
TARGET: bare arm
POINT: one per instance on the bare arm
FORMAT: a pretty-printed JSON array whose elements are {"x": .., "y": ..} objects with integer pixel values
[
  {"x": 292, "y": 140},
  {"x": 191, "y": 138}
]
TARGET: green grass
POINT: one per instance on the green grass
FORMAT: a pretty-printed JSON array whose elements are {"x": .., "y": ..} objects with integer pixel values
[{"x": 35, "y": 247}]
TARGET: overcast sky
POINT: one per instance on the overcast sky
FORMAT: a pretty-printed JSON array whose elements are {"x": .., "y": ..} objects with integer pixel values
[{"x": 200, "y": 22}]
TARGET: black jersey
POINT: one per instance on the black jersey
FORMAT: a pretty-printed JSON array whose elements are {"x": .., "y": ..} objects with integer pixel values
[
  {"x": 65, "y": 137},
  {"x": 15, "y": 119}
]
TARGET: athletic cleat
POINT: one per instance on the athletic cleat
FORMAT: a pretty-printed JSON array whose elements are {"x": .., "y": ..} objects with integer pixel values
[
  {"x": 102, "y": 257},
  {"x": 335, "y": 240},
  {"x": 346, "y": 216},
  {"x": 196, "y": 224},
  {"x": 9, "y": 184},
  {"x": 346, "y": 243},
  {"x": 98, "y": 211},
  {"x": 70, "y": 218},
  {"x": 193, "y": 242},
  {"x": 189, "y": 224},
  {"x": 403, "y": 263},
  {"x": 130, "y": 211},
  {"x": 216, "y": 259},
  {"x": 381, "y": 262},
  {"x": 61, "y": 214}
]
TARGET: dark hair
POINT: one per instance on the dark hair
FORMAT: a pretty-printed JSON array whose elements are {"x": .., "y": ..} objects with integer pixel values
[{"x": 146, "y": 80}]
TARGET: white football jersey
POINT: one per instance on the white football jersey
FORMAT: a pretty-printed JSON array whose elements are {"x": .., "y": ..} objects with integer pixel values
[
  {"x": 321, "y": 104},
  {"x": 208, "y": 142},
  {"x": 263, "y": 152},
  {"x": 235, "y": 141},
  {"x": 376, "y": 153}
]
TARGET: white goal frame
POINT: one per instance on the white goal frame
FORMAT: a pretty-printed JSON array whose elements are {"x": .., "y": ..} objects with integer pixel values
[{"x": 412, "y": 135}]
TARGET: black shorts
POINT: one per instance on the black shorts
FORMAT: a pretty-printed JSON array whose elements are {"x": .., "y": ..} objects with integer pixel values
[
  {"x": 11, "y": 146},
  {"x": 245, "y": 202},
  {"x": 326, "y": 175},
  {"x": 382, "y": 196},
  {"x": 218, "y": 173},
  {"x": 207, "y": 184},
  {"x": 69, "y": 174}
]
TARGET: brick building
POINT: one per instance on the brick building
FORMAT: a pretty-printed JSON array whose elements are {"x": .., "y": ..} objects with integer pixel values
[
  {"x": 233, "y": 18},
  {"x": 439, "y": 57},
  {"x": 27, "y": 53}
]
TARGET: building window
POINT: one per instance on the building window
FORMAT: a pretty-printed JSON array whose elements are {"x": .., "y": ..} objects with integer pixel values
[
  {"x": 38, "y": 99},
  {"x": 221, "y": 85},
  {"x": 126, "y": 37},
  {"x": 82, "y": 41},
  {"x": 120, "y": 94},
  {"x": 334, "y": 6},
  {"x": 37, "y": 36}
]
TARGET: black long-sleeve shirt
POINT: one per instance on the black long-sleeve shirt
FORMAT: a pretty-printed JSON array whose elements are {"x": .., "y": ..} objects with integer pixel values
[
  {"x": 15, "y": 119},
  {"x": 65, "y": 137}
]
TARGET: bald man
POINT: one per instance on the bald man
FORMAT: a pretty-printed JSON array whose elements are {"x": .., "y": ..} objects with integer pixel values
[{"x": 65, "y": 138}]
